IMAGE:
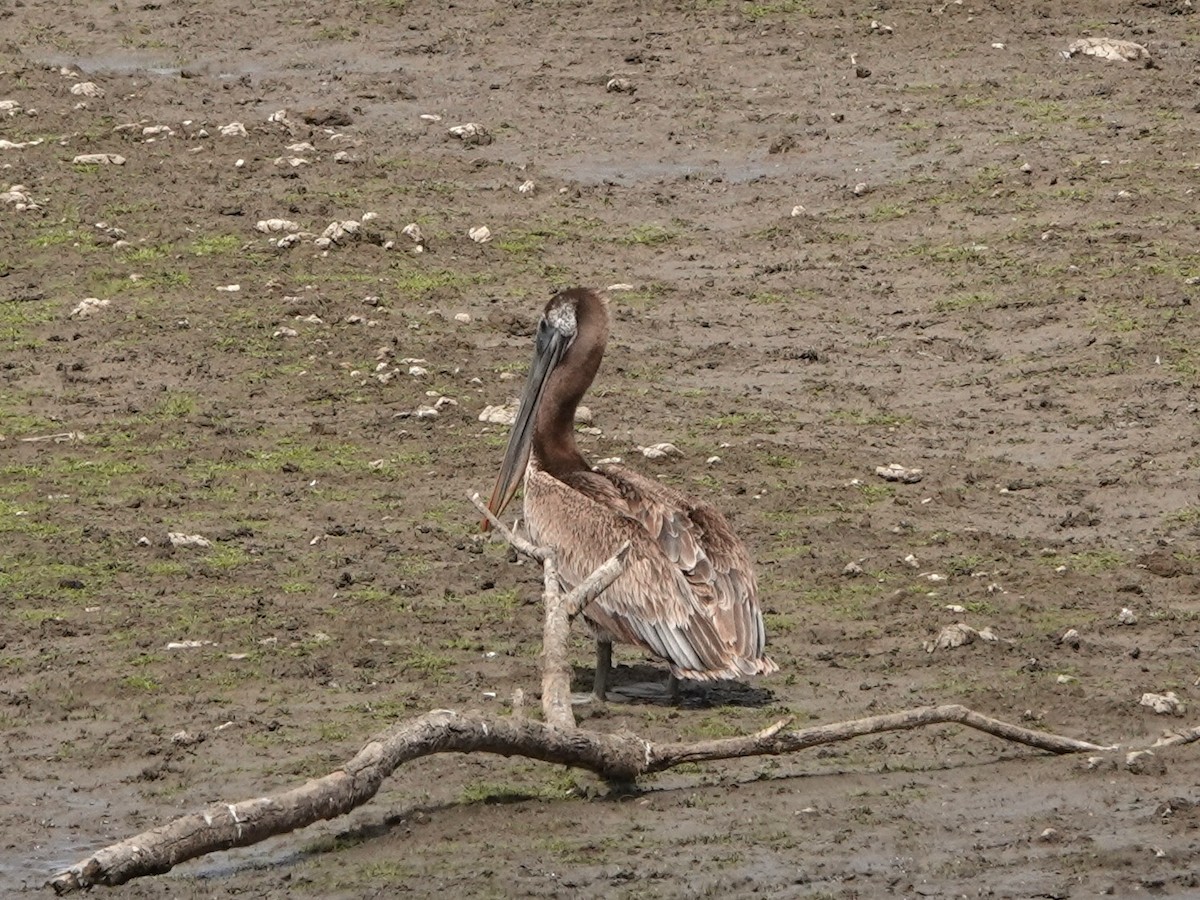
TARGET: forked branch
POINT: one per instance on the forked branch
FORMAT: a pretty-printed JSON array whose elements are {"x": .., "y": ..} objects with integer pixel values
[{"x": 619, "y": 757}]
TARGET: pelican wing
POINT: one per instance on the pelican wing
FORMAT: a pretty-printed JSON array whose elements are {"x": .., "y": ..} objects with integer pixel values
[
  {"x": 698, "y": 539},
  {"x": 671, "y": 600}
]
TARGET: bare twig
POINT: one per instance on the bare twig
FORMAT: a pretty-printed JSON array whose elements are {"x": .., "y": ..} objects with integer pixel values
[
  {"x": 596, "y": 583},
  {"x": 519, "y": 543},
  {"x": 617, "y": 757}
]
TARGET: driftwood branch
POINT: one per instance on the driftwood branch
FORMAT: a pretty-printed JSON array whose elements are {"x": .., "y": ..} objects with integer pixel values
[{"x": 619, "y": 757}]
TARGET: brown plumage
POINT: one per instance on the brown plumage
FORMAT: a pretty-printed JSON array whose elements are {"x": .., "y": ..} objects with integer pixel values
[{"x": 688, "y": 594}]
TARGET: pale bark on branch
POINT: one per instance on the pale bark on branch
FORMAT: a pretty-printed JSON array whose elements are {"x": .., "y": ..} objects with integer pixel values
[{"x": 619, "y": 758}]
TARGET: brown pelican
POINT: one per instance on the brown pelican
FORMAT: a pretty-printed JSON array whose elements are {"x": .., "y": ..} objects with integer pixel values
[{"x": 688, "y": 594}]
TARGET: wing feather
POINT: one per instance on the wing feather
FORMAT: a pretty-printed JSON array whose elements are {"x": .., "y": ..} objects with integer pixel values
[{"x": 688, "y": 593}]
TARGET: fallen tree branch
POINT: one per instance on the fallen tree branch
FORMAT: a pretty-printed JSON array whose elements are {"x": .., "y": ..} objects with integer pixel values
[
  {"x": 618, "y": 758},
  {"x": 615, "y": 757}
]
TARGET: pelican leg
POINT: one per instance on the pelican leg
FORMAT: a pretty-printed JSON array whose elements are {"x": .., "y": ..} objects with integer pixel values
[{"x": 603, "y": 667}]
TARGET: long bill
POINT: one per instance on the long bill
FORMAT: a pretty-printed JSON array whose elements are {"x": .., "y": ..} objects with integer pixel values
[{"x": 551, "y": 345}]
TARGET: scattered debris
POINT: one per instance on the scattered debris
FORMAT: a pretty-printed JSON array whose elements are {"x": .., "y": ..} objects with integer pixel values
[
  {"x": 620, "y": 86},
  {"x": 187, "y": 645},
  {"x": 1126, "y": 616},
  {"x": 1071, "y": 638},
  {"x": 897, "y": 472},
  {"x": 233, "y": 129},
  {"x": 499, "y": 415},
  {"x": 658, "y": 451},
  {"x": 19, "y": 198},
  {"x": 1108, "y": 48},
  {"x": 852, "y": 570},
  {"x": 339, "y": 233},
  {"x": 87, "y": 306},
  {"x": 9, "y": 108},
  {"x": 273, "y": 226},
  {"x": 87, "y": 89},
  {"x": 19, "y": 145},
  {"x": 413, "y": 230},
  {"x": 179, "y": 539},
  {"x": 959, "y": 635},
  {"x": 99, "y": 159},
  {"x": 480, "y": 234},
  {"x": 912, "y": 562},
  {"x": 1164, "y": 704},
  {"x": 472, "y": 134},
  {"x": 526, "y": 187}
]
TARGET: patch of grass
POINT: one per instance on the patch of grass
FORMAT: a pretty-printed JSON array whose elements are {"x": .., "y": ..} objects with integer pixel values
[
  {"x": 756, "y": 12},
  {"x": 227, "y": 558},
  {"x": 648, "y": 235},
  {"x": 142, "y": 683},
  {"x": 215, "y": 245},
  {"x": 888, "y": 212},
  {"x": 145, "y": 254},
  {"x": 493, "y": 792},
  {"x": 428, "y": 663},
  {"x": 175, "y": 405}
]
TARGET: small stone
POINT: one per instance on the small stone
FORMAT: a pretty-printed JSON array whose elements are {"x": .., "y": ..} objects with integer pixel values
[
  {"x": 1145, "y": 762},
  {"x": 99, "y": 159},
  {"x": 1127, "y": 617},
  {"x": 180, "y": 539},
  {"x": 87, "y": 306},
  {"x": 659, "y": 451},
  {"x": 620, "y": 86},
  {"x": 852, "y": 570},
  {"x": 1071, "y": 638},
  {"x": 233, "y": 129},
  {"x": 87, "y": 89},
  {"x": 1164, "y": 704},
  {"x": 464, "y": 318},
  {"x": 897, "y": 472},
  {"x": 480, "y": 234},
  {"x": 526, "y": 187}
]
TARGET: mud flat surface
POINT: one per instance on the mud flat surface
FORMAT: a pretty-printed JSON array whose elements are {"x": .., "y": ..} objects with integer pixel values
[{"x": 990, "y": 275}]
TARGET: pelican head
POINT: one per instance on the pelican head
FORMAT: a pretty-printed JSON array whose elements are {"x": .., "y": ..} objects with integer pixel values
[{"x": 563, "y": 319}]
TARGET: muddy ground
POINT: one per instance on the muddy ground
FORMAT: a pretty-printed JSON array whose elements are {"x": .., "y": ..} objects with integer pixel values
[{"x": 990, "y": 274}]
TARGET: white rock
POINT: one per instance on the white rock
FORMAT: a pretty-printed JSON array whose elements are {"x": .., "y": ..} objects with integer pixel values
[
  {"x": 852, "y": 570},
  {"x": 911, "y": 562},
  {"x": 101, "y": 159},
  {"x": 897, "y": 472},
  {"x": 233, "y": 129},
  {"x": 280, "y": 116},
  {"x": 430, "y": 117},
  {"x": 861, "y": 188},
  {"x": 301, "y": 147},
  {"x": 418, "y": 371},
  {"x": 9, "y": 108},
  {"x": 620, "y": 86},
  {"x": 480, "y": 234},
  {"x": 156, "y": 130},
  {"x": 229, "y": 288},
  {"x": 959, "y": 635},
  {"x": 658, "y": 451},
  {"x": 272, "y": 226},
  {"x": 179, "y": 539},
  {"x": 798, "y": 210},
  {"x": 499, "y": 415},
  {"x": 620, "y": 286},
  {"x": 19, "y": 145},
  {"x": 526, "y": 187},
  {"x": 1109, "y": 49},
  {"x": 426, "y": 412},
  {"x": 294, "y": 161},
  {"x": 186, "y": 645},
  {"x": 464, "y": 318},
  {"x": 19, "y": 198},
  {"x": 470, "y": 132},
  {"x": 284, "y": 331},
  {"x": 87, "y": 306},
  {"x": 87, "y": 89},
  {"x": 1164, "y": 704},
  {"x": 342, "y": 157},
  {"x": 713, "y": 460},
  {"x": 1071, "y": 638},
  {"x": 1127, "y": 617}
]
